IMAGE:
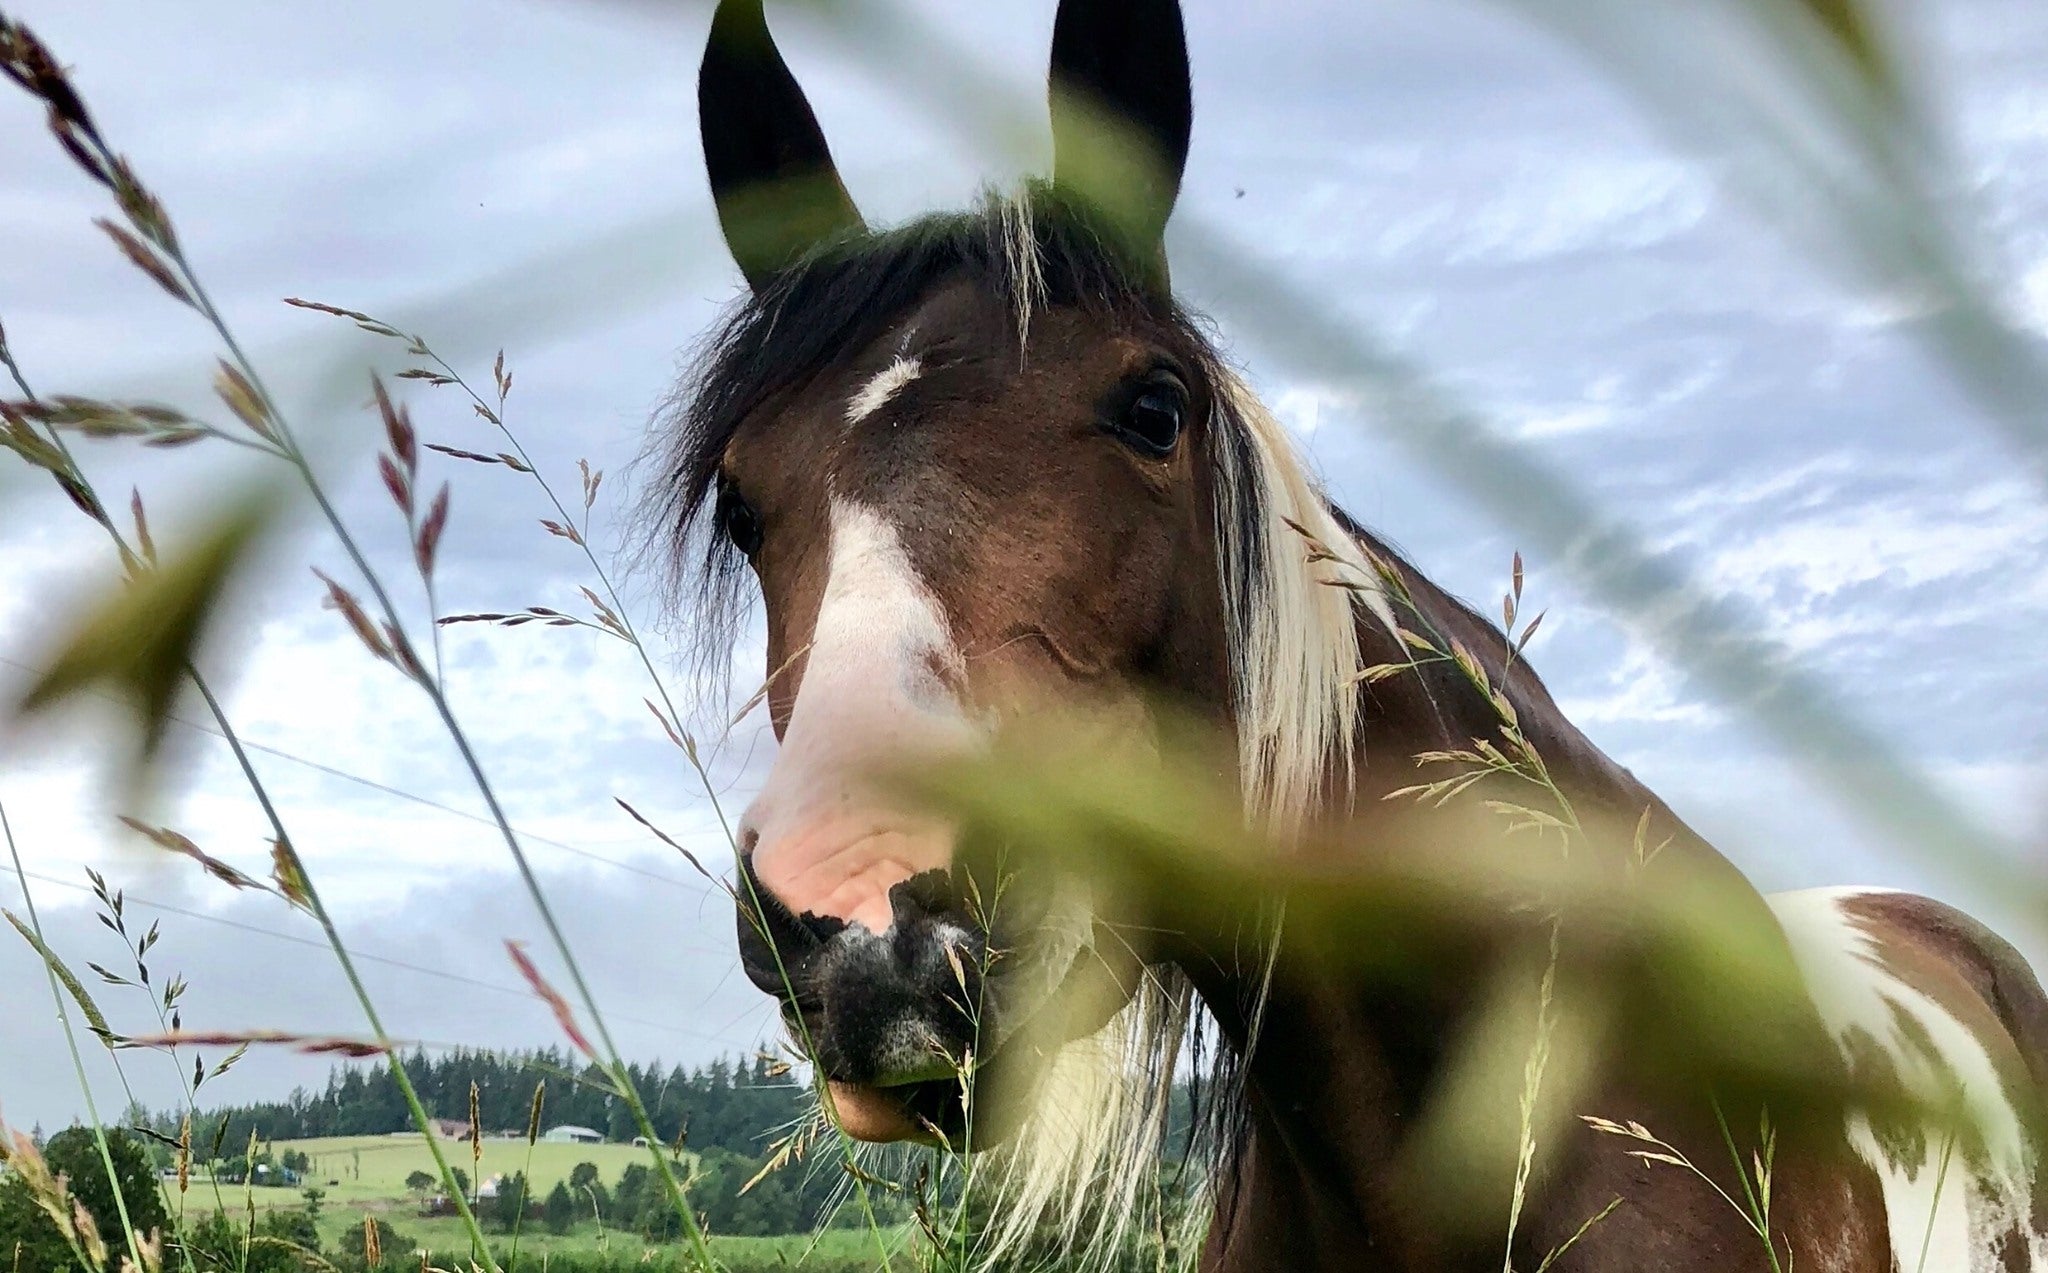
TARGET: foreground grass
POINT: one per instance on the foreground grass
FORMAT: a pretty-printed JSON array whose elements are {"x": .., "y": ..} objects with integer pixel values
[{"x": 446, "y": 1239}]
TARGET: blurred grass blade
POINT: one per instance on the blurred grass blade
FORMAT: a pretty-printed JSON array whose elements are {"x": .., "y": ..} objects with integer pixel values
[
  {"x": 1691, "y": 79},
  {"x": 139, "y": 640},
  {"x": 1811, "y": 118},
  {"x": 1859, "y": 32},
  {"x": 1685, "y": 951}
]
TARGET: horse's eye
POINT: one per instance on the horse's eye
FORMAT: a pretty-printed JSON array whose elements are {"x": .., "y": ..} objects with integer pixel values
[
  {"x": 1151, "y": 423},
  {"x": 739, "y": 521}
]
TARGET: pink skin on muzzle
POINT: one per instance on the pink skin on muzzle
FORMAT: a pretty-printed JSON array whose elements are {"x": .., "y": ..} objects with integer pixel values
[
  {"x": 842, "y": 867},
  {"x": 824, "y": 837},
  {"x": 872, "y": 1114}
]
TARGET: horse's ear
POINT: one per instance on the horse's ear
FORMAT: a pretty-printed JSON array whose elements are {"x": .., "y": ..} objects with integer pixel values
[
  {"x": 772, "y": 177},
  {"x": 1121, "y": 115}
]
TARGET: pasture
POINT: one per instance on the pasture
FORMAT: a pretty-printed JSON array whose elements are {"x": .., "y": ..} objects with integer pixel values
[{"x": 365, "y": 1170}]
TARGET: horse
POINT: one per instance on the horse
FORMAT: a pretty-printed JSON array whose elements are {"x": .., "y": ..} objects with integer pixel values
[{"x": 986, "y": 461}]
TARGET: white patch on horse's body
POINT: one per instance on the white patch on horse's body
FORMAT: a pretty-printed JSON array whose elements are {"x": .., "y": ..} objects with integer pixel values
[
  {"x": 1950, "y": 1209},
  {"x": 872, "y": 693},
  {"x": 882, "y": 386}
]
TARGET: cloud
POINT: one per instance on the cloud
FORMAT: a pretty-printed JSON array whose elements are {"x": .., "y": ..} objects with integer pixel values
[{"x": 1641, "y": 691}]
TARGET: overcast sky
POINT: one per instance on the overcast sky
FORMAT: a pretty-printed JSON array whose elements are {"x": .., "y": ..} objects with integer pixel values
[{"x": 526, "y": 175}]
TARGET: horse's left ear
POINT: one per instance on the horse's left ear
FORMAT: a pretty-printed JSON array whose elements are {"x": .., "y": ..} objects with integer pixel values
[
  {"x": 1122, "y": 112},
  {"x": 772, "y": 177}
]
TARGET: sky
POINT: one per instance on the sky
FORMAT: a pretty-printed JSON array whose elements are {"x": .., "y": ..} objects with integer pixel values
[{"x": 1436, "y": 176}]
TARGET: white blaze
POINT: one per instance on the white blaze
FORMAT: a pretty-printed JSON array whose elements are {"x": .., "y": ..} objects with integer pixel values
[{"x": 872, "y": 697}]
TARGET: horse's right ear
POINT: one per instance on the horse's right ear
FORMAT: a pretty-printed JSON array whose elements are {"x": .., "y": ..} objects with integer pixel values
[
  {"x": 772, "y": 177},
  {"x": 1122, "y": 112}
]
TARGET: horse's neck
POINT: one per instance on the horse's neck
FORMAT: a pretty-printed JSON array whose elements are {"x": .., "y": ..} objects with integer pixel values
[
  {"x": 1434, "y": 705},
  {"x": 1338, "y": 1068},
  {"x": 1333, "y": 1088}
]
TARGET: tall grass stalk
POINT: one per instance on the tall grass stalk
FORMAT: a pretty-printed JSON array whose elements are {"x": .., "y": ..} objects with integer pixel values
[
  {"x": 614, "y": 617},
  {"x": 159, "y": 254},
  {"x": 526, "y": 1172},
  {"x": 149, "y": 220},
  {"x": 88, "y": 501},
  {"x": 318, "y": 909},
  {"x": 1519, "y": 759},
  {"x": 99, "y": 1130},
  {"x": 24, "y": 1160},
  {"x": 76, "y": 481}
]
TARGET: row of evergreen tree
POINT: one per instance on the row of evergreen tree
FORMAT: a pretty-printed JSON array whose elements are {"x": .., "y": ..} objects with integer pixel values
[{"x": 737, "y": 1105}]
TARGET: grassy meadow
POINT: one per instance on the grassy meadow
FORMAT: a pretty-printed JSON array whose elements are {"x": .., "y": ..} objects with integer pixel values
[
  {"x": 447, "y": 1244},
  {"x": 367, "y": 1170},
  {"x": 362, "y": 1176}
]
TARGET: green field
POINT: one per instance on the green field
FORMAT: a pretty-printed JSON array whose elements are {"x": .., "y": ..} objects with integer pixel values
[
  {"x": 446, "y": 1239},
  {"x": 367, "y": 1175},
  {"x": 368, "y": 1170}
]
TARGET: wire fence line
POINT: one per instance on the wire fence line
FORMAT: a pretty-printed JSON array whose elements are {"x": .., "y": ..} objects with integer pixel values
[
  {"x": 692, "y": 884},
  {"x": 520, "y": 992}
]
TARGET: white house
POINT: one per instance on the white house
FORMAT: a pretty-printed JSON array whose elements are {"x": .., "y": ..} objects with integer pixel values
[{"x": 569, "y": 1134}]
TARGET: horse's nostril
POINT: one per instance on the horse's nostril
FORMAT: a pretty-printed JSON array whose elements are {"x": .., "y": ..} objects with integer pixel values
[
  {"x": 776, "y": 944},
  {"x": 932, "y": 893}
]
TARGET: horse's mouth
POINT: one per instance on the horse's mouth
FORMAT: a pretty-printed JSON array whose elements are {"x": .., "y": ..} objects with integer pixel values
[{"x": 935, "y": 1111}]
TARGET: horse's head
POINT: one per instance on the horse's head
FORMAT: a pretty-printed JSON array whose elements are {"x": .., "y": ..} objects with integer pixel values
[{"x": 978, "y": 465}]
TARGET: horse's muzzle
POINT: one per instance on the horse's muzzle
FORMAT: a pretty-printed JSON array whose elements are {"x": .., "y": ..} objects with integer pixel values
[{"x": 874, "y": 1009}]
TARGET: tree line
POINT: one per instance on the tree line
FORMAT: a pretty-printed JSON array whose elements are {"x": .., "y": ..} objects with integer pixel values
[{"x": 736, "y": 1104}]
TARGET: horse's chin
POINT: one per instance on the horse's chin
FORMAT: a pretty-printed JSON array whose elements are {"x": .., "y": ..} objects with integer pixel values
[
  {"x": 877, "y": 1115},
  {"x": 934, "y": 1112},
  {"x": 927, "y": 1113}
]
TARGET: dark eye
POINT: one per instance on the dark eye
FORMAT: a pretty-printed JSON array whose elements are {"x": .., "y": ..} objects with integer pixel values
[
  {"x": 1151, "y": 423},
  {"x": 738, "y": 520}
]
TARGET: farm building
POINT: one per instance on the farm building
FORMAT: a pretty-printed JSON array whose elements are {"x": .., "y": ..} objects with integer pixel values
[{"x": 569, "y": 1134}]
